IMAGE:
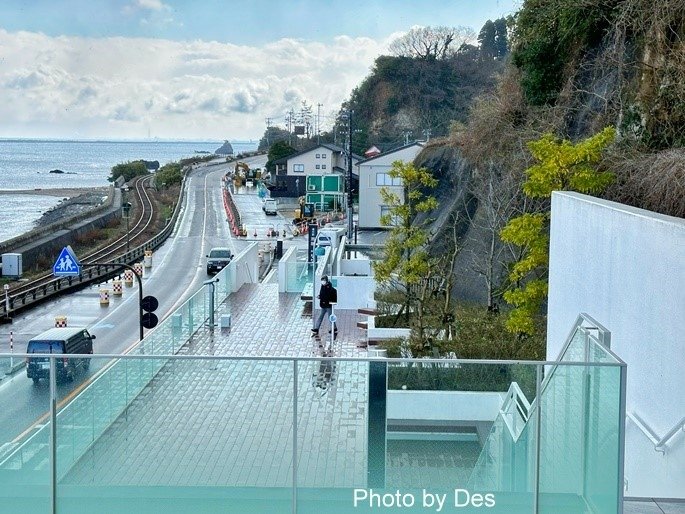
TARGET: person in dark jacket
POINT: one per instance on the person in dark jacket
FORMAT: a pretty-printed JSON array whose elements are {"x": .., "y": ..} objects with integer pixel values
[{"x": 327, "y": 296}]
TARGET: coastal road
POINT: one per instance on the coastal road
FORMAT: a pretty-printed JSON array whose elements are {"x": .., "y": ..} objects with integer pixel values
[{"x": 178, "y": 272}]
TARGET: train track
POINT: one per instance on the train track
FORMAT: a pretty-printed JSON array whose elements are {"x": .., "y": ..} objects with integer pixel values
[{"x": 114, "y": 253}]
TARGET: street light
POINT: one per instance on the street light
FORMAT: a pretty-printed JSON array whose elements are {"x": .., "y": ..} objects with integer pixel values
[{"x": 126, "y": 207}]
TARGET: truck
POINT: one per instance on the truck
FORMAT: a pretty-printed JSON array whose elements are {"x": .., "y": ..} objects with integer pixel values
[{"x": 270, "y": 206}]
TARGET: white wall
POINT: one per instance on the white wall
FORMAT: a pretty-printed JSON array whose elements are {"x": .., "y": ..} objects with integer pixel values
[
  {"x": 285, "y": 264},
  {"x": 354, "y": 292},
  {"x": 444, "y": 405},
  {"x": 246, "y": 267},
  {"x": 626, "y": 268},
  {"x": 370, "y": 200}
]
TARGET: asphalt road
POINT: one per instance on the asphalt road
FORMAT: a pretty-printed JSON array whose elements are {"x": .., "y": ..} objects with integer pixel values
[{"x": 178, "y": 271}]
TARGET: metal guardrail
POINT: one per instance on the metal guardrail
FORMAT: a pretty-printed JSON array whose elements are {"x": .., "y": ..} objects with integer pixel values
[{"x": 63, "y": 285}]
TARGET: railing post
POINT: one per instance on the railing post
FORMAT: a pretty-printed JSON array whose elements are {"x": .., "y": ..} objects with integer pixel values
[
  {"x": 621, "y": 438},
  {"x": 294, "y": 505},
  {"x": 538, "y": 426}
]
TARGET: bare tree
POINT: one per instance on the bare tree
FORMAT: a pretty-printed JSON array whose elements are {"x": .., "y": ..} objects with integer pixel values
[
  {"x": 499, "y": 198},
  {"x": 431, "y": 43}
]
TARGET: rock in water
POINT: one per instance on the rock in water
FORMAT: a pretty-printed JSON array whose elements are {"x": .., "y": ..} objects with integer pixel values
[
  {"x": 225, "y": 149},
  {"x": 56, "y": 171}
]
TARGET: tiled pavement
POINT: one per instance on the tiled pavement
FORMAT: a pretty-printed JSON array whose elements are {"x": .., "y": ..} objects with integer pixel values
[
  {"x": 225, "y": 422},
  {"x": 230, "y": 422}
]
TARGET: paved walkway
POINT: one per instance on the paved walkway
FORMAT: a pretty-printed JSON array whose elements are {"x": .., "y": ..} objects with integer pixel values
[{"x": 230, "y": 422}]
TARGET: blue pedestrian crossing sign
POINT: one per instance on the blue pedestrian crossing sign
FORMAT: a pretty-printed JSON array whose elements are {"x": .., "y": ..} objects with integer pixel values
[{"x": 66, "y": 265}]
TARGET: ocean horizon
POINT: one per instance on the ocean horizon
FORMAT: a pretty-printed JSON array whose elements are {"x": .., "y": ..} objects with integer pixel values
[{"x": 25, "y": 164}]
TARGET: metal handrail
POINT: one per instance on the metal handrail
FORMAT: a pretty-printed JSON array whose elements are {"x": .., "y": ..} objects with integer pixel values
[{"x": 659, "y": 443}]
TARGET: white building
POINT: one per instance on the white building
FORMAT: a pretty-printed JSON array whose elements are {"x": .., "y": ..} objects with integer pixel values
[
  {"x": 291, "y": 172},
  {"x": 373, "y": 176},
  {"x": 626, "y": 268}
]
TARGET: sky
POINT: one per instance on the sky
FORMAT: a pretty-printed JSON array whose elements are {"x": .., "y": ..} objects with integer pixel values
[{"x": 203, "y": 70}]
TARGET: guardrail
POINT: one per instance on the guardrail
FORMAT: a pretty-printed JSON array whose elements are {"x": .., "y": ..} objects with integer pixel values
[{"x": 63, "y": 285}]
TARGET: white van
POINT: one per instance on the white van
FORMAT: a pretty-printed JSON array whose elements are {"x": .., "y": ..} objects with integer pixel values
[{"x": 270, "y": 207}]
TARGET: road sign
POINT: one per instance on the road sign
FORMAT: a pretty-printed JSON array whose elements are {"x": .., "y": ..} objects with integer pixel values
[
  {"x": 332, "y": 318},
  {"x": 150, "y": 320},
  {"x": 66, "y": 265},
  {"x": 149, "y": 304}
]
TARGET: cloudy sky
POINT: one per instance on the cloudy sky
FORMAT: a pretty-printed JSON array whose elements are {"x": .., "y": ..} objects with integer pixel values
[{"x": 184, "y": 69}]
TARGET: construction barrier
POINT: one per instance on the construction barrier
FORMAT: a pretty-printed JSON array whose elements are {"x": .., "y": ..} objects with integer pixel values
[
  {"x": 128, "y": 278},
  {"x": 138, "y": 268},
  {"x": 117, "y": 290},
  {"x": 148, "y": 258},
  {"x": 104, "y": 297},
  {"x": 60, "y": 321}
]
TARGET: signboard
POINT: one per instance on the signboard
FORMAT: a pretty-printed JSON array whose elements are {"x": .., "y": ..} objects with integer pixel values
[
  {"x": 150, "y": 320},
  {"x": 313, "y": 229},
  {"x": 149, "y": 304},
  {"x": 66, "y": 265}
]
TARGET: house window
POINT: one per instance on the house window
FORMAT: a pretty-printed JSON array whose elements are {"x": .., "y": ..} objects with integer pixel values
[
  {"x": 318, "y": 166},
  {"x": 386, "y": 210},
  {"x": 323, "y": 155},
  {"x": 298, "y": 168},
  {"x": 384, "y": 179},
  {"x": 318, "y": 155},
  {"x": 323, "y": 166}
]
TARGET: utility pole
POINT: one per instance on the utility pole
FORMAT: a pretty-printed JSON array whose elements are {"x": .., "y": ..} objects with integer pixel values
[
  {"x": 318, "y": 123},
  {"x": 349, "y": 174},
  {"x": 268, "y": 126},
  {"x": 289, "y": 118},
  {"x": 427, "y": 134}
]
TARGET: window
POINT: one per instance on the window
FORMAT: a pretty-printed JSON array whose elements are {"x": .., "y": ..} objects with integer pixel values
[
  {"x": 384, "y": 179},
  {"x": 318, "y": 155},
  {"x": 318, "y": 166},
  {"x": 323, "y": 155},
  {"x": 386, "y": 210},
  {"x": 323, "y": 166},
  {"x": 298, "y": 168}
]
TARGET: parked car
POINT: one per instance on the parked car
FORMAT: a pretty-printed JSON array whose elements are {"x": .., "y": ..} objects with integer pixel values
[
  {"x": 218, "y": 259},
  {"x": 59, "y": 341}
]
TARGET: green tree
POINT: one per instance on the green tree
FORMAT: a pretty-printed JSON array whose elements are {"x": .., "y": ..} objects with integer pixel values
[
  {"x": 128, "y": 170},
  {"x": 501, "y": 37},
  {"x": 487, "y": 40},
  {"x": 406, "y": 260},
  {"x": 277, "y": 151},
  {"x": 168, "y": 175},
  {"x": 562, "y": 165}
]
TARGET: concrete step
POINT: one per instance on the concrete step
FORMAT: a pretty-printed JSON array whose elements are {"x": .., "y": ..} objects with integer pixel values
[
  {"x": 363, "y": 324},
  {"x": 368, "y": 311}
]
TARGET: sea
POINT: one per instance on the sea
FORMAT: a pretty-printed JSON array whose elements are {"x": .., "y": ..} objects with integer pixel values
[{"x": 25, "y": 164}]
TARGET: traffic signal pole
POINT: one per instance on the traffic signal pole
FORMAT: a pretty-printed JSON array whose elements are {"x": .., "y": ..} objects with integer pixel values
[{"x": 140, "y": 285}]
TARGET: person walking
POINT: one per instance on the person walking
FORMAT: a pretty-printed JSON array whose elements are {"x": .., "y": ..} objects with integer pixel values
[{"x": 327, "y": 296}]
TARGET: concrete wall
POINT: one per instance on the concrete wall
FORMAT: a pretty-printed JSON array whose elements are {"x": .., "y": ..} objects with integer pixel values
[
  {"x": 626, "y": 268},
  {"x": 246, "y": 267},
  {"x": 444, "y": 405},
  {"x": 370, "y": 200},
  {"x": 285, "y": 263},
  {"x": 354, "y": 292}
]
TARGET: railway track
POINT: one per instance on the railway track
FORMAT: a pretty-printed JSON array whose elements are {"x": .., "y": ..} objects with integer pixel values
[{"x": 45, "y": 286}]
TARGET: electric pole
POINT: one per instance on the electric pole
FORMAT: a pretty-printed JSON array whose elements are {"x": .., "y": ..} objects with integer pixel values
[
  {"x": 349, "y": 175},
  {"x": 318, "y": 123}
]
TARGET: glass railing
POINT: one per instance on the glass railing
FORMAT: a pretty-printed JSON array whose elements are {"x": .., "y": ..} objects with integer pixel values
[
  {"x": 298, "y": 274},
  {"x": 577, "y": 451},
  {"x": 169, "y": 433}
]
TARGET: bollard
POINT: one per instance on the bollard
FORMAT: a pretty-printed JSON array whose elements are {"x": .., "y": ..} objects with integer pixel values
[
  {"x": 138, "y": 268},
  {"x": 117, "y": 290},
  {"x": 128, "y": 278},
  {"x": 60, "y": 321},
  {"x": 104, "y": 297},
  {"x": 148, "y": 258}
]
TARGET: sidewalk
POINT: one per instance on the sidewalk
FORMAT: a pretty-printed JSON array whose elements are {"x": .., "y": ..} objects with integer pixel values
[{"x": 230, "y": 422}]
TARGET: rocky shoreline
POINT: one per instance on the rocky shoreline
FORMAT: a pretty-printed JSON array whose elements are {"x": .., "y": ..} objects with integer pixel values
[{"x": 74, "y": 201}]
